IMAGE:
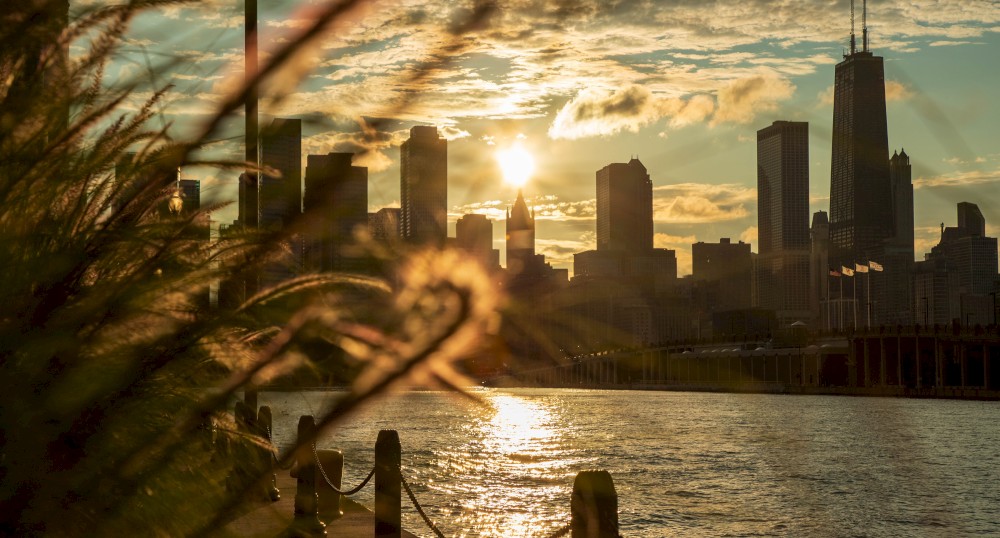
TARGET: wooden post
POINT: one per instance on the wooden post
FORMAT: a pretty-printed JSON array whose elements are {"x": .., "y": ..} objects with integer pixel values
[
  {"x": 265, "y": 423},
  {"x": 250, "y": 398},
  {"x": 332, "y": 462},
  {"x": 387, "y": 484},
  {"x": 306, "y": 499},
  {"x": 594, "y": 506}
]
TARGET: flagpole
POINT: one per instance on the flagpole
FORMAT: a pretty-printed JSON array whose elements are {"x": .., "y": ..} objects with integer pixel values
[
  {"x": 868, "y": 291},
  {"x": 840, "y": 305},
  {"x": 854, "y": 301}
]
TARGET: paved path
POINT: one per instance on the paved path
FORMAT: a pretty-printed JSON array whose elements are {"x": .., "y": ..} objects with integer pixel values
[{"x": 273, "y": 519}]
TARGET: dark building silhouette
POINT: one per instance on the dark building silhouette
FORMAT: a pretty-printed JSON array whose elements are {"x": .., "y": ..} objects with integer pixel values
[
  {"x": 624, "y": 207},
  {"x": 783, "y": 220},
  {"x": 384, "y": 224},
  {"x": 336, "y": 204},
  {"x": 860, "y": 193},
  {"x": 724, "y": 273},
  {"x": 474, "y": 234},
  {"x": 424, "y": 187},
  {"x": 892, "y": 288},
  {"x": 956, "y": 279},
  {"x": 520, "y": 236},
  {"x": 281, "y": 189},
  {"x": 820, "y": 303}
]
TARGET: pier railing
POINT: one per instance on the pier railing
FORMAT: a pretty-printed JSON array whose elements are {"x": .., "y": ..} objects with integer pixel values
[{"x": 319, "y": 491}]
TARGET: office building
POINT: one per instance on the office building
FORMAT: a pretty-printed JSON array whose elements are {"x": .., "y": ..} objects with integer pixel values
[
  {"x": 423, "y": 187},
  {"x": 624, "y": 207},
  {"x": 281, "y": 183},
  {"x": 474, "y": 234},
  {"x": 783, "y": 220},
  {"x": 723, "y": 273},
  {"x": 336, "y": 205},
  {"x": 384, "y": 224},
  {"x": 860, "y": 193}
]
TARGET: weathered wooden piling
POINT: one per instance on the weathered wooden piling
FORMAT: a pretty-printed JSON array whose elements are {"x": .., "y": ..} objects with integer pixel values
[
  {"x": 594, "y": 506},
  {"x": 265, "y": 423},
  {"x": 307, "y": 520},
  {"x": 387, "y": 484},
  {"x": 332, "y": 463}
]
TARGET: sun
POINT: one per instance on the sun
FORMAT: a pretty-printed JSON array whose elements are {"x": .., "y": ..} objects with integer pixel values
[{"x": 516, "y": 163}]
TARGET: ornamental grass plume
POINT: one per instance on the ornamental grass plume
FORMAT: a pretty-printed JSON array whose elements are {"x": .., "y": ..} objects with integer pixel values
[{"x": 115, "y": 368}]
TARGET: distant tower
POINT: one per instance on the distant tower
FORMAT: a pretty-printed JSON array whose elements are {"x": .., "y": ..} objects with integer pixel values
[
  {"x": 860, "y": 195},
  {"x": 281, "y": 193},
  {"x": 520, "y": 237},
  {"x": 624, "y": 207},
  {"x": 474, "y": 234},
  {"x": 783, "y": 219},
  {"x": 819, "y": 267},
  {"x": 424, "y": 187},
  {"x": 336, "y": 204},
  {"x": 971, "y": 219},
  {"x": 249, "y": 188}
]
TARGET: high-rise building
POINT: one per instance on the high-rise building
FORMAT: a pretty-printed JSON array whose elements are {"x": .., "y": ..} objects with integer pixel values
[
  {"x": 892, "y": 288},
  {"x": 474, "y": 234},
  {"x": 860, "y": 194},
  {"x": 336, "y": 204},
  {"x": 624, "y": 207},
  {"x": 819, "y": 270},
  {"x": 955, "y": 281},
  {"x": 723, "y": 272},
  {"x": 783, "y": 220},
  {"x": 281, "y": 183},
  {"x": 384, "y": 224},
  {"x": 423, "y": 186}
]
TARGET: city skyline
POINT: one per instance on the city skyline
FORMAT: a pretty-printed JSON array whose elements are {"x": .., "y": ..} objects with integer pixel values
[{"x": 611, "y": 101}]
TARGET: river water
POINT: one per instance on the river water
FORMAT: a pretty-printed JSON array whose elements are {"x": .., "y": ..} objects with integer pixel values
[{"x": 684, "y": 464}]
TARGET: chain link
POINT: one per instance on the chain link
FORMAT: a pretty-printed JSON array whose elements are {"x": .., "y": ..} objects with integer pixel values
[
  {"x": 326, "y": 478},
  {"x": 274, "y": 457},
  {"x": 420, "y": 510}
]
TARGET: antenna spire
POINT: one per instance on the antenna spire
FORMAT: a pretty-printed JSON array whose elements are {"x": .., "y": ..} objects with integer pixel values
[
  {"x": 864, "y": 25},
  {"x": 852, "y": 28}
]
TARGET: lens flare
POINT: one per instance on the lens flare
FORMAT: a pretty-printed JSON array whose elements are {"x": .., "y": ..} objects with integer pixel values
[{"x": 516, "y": 163}]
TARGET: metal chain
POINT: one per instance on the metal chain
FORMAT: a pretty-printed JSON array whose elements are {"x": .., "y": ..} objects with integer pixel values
[
  {"x": 563, "y": 531},
  {"x": 277, "y": 462},
  {"x": 326, "y": 478},
  {"x": 420, "y": 510}
]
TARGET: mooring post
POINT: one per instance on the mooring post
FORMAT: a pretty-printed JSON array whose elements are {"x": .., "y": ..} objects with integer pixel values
[
  {"x": 332, "y": 464},
  {"x": 387, "y": 484},
  {"x": 594, "y": 506},
  {"x": 264, "y": 423},
  {"x": 307, "y": 520}
]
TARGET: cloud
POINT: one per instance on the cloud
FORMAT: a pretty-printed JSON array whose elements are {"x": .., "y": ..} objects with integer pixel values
[
  {"x": 546, "y": 207},
  {"x": 958, "y": 179},
  {"x": 741, "y": 100},
  {"x": 749, "y": 235},
  {"x": 450, "y": 132},
  {"x": 600, "y": 113},
  {"x": 689, "y": 203},
  {"x": 896, "y": 91},
  {"x": 681, "y": 245},
  {"x": 369, "y": 146}
]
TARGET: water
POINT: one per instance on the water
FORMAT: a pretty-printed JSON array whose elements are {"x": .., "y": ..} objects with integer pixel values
[{"x": 684, "y": 464}]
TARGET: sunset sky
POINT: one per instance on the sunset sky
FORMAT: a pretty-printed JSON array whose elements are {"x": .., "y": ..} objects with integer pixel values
[{"x": 684, "y": 85}]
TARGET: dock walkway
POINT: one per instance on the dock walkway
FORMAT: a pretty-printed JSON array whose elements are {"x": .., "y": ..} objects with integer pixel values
[{"x": 274, "y": 519}]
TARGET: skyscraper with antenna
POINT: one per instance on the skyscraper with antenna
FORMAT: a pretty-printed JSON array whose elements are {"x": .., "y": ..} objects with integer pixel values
[{"x": 860, "y": 194}]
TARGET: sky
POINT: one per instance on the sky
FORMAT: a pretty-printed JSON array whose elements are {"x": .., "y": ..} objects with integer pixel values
[{"x": 683, "y": 85}]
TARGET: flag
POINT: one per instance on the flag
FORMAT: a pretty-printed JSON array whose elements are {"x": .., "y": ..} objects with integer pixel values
[
  {"x": 860, "y": 268},
  {"x": 846, "y": 270},
  {"x": 834, "y": 272},
  {"x": 875, "y": 266}
]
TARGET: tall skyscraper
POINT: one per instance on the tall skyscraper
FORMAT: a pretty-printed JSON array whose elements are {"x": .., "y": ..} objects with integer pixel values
[
  {"x": 892, "y": 289},
  {"x": 384, "y": 224},
  {"x": 624, "y": 207},
  {"x": 281, "y": 191},
  {"x": 423, "y": 186},
  {"x": 336, "y": 204},
  {"x": 860, "y": 195},
  {"x": 783, "y": 219}
]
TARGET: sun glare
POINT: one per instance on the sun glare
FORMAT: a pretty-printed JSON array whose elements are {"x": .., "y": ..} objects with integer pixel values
[{"x": 516, "y": 163}]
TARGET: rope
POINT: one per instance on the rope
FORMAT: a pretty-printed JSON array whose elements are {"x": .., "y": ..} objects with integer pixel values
[
  {"x": 420, "y": 510},
  {"x": 326, "y": 478},
  {"x": 560, "y": 532}
]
